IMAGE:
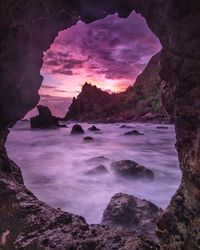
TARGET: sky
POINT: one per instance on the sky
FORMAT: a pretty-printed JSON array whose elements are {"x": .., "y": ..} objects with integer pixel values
[{"x": 109, "y": 53}]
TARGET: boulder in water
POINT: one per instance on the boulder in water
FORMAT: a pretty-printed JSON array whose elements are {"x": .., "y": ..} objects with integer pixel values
[
  {"x": 97, "y": 160},
  {"x": 45, "y": 119},
  {"x": 125, "y": 126},
  {"x": 101, "y": 169},
  {"x": 88, "y": 138},
  {"x": 131, "y": 170},
  {"x": 129, "y": 212},
  {"x": 63, "y": 126},
  {"x": 133, "y": 132},
  {"x": 77, "y": 129},
  {"x": 162, "y": 127},
  {"x": 94, "y": 128}
]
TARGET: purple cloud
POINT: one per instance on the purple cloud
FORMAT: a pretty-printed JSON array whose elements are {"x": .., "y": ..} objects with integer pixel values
[{"x": 113, "y": 47}]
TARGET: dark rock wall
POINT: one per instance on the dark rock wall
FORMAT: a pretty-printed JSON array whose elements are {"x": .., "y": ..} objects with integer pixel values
[
  {"x": 180, "y": 224},
  {"x": 29, "y": 27}
]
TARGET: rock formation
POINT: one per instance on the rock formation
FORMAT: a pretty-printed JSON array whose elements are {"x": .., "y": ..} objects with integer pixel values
[
  {"x": 133, "y": 132},
  {"x": 97, "y": 160},
  {"x": 27, "y": 30},
  {"x": 88, "y": 105},
  {"x": 127, "y": 211},
  {"x": 45, "y": 119},
  {"x": 93, "y": 128},
  {"x": 131, "y": 170},
  {"x": 142, "y": 101},
  {"x": 125, "y": 126},
  {"x": 99, "y": 170},
  {"x": 88, "y": 138},
  {"x": 77, "y": 129}
]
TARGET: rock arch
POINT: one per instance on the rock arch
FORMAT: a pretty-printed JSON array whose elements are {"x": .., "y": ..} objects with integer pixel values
[{"x": 27, "y": 29}]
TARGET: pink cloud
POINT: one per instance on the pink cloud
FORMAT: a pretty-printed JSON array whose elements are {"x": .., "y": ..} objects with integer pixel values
[{"x": 109, "y": 53}]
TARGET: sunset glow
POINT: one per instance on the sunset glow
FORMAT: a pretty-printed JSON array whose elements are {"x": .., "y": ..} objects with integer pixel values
[{"x": 109, "y": 53}]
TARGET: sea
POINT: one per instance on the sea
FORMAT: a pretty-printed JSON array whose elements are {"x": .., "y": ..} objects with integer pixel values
[{"x": 54, "y": 164}]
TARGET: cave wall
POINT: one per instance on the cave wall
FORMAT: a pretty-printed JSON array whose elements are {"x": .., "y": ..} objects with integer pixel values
[{"x": 27, "y": 30}]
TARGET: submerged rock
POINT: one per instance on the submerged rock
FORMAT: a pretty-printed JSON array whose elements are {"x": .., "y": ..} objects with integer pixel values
[
  {"x": 162, "y": 127},
  {"x": 132, "y": 170},
  {"x": 63, "y": 125},
  {"x": 94, "y": 128},
  {"x": 101, "y": 169},
  {"x": 125, "y": 126},
  {"x": 88, "y": 138},
  {"x": 99, "y": 160},
  {"x": 77, "y": 129},
  {"x": 45, "y": 119},
  {"x": 133, "y": 132},
  {"x": 127, "y": 211}
]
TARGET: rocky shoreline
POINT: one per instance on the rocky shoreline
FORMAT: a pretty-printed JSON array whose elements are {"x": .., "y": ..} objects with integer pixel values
[
  {"x": 28, "y": 223},
  {"x": 127, "y": 223}
]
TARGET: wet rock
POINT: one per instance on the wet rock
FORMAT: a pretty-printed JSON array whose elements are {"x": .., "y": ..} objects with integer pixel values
[
  {"x": 45, "y": 119},
  {"x": 127, "y": 211},
  {"x": 98, "y": 132},
  {"x": 133, "y": 132},
  {"x": 97, "y": 160},
  {"x": 88, "y": 138},
  {"x": 125, "y": 126},
  {"x": 77, "y": 129},
  {"x": 131, "y": 170},
  {"x": 93, "y": 128},
  {"x": 101, "y": 169},
  {"x": 63, "y": 126},
  {"x": 162, "y": 127}
]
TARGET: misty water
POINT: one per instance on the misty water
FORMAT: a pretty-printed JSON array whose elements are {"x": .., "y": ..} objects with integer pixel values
[{"x": 54, "y": 165}]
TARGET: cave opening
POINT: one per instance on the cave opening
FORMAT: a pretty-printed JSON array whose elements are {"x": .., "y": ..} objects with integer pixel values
[
  {"x": 109, "y": 53},
  {"x": 24, "y": 38}
]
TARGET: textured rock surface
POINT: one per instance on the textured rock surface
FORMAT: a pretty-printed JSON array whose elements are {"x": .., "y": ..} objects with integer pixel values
[
  {"x": 131, "y": 170},
  {"x": 27, "y": 30},
  {"x": 77, "y": 129},
  {"x": 127, "y": 211},
  {"x": 139, "y": 102},
  {"x": 45, "y": 119}
]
